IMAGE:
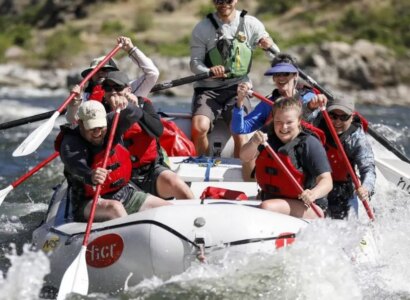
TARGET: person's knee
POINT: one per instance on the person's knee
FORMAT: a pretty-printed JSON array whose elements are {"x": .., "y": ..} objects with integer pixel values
[
  {"x": 263, "y": 205},
  {"x": 116, "y": 209},
  {"x": 172, "y": 179},
  {"x": 200, "y": 124},
  {"x": 153, "y": 201}
]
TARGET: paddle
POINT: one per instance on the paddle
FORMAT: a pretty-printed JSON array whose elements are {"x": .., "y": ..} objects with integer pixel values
[
  {"x": 4, "y": 192},
  {"x": 156, "y": 88},
  {"x": 289, "y": 175},
  {"x": 75, "y": 278},
  {"x": 345, "y": 159},
  {"x": 377, "y": 136},
  {"x": 33, "y": 141}
]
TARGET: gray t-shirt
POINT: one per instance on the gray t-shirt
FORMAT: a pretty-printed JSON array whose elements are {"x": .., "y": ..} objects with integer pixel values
[{"x": 204, "y": 38}]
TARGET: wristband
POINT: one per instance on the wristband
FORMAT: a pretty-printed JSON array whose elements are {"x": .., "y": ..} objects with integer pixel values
[{"x": 133, "y": 49}]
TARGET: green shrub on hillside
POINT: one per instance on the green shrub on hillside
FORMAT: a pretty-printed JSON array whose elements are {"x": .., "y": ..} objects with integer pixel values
[
  {"x": 276, "y": 6},
  {"x": 204, "y": 10},
  {"x": 144, "y": 19},
  {"x": 178, "y": 48},
  {"x": 18, "y": 34},
  {"x": 62, "y": 44},
  {"x": 387, "y": 25},
  {"x": 111, "y": 26},
  {"x": 5, "y": 43}
]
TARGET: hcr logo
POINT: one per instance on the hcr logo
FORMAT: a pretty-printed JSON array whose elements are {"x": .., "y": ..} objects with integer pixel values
[{"x": 104, "y": 250}]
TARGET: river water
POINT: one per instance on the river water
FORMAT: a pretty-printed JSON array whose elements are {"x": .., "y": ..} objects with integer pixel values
[{"x": 313, "y": 268}]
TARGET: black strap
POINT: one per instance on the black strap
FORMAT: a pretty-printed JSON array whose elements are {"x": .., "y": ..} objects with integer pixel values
[{"x": 210, "y": 16}]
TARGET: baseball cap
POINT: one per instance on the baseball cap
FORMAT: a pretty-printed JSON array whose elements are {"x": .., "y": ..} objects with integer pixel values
[
  {"x": 93, "y": 114},
  {"x": 117, "y": 77},
  {"x": 281, "y": 68},
  {"x": 110, "y": 65},
  {"x": 344, "y": 104}
]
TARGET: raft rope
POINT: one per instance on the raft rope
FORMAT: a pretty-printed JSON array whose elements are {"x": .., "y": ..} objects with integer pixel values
[
  {"x": 72, "y": 236},
  {"x": 203, "y": 161}
]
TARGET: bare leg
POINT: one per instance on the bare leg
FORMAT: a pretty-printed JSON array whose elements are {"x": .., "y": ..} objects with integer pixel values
[
  {"x": 106, "y": 209},
  {"x": 170, "y": 185},
  {"x": 247, "y": 169},
  {"x": 152, "y": 202},
  {"x": 239, "y": 141},
  {"x": 200, "y": 128},
  {"x": 292, "y": 207}
]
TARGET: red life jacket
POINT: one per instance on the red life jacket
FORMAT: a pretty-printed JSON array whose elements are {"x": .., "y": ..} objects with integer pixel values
[
  {"x": 142, "y": 147},
  {"x": 174, "y": 141},
  {"x": 269, "y": 176},
  {"x": 97, "y": 93},
  {"x": 340, "y": 172},
  {"x": 119, "y": 163},
  {"x": 213, "y": 192}
]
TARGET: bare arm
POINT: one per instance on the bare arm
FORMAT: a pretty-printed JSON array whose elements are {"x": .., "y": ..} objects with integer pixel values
[
  {"x": 143, "y": 84},
  {"x": 324, "y": 185},
  {"x": 249, "y": 151}
]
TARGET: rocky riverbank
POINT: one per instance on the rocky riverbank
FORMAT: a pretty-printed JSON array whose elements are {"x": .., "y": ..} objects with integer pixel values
[{"x": 368, "y": 72}]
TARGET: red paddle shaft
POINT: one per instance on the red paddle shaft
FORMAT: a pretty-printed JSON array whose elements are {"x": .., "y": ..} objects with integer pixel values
[
  {"x": 104, "y": 165},
  {"x": 345, "y": 159}
]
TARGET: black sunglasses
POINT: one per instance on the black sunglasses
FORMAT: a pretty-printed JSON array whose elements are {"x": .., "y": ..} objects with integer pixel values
[
  {"x": 343, "y": 117},
  {"x": 116, "y": 87},
  {"x": 284, "y": 74},
  {"x": 221, "y": 2}
]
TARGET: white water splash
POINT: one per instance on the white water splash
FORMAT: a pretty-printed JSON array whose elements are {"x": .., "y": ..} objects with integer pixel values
[{"x": 25, "y": 276}]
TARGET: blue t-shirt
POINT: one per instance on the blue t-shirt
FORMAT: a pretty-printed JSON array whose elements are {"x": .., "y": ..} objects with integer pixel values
[{"x": 242, "y": 124}]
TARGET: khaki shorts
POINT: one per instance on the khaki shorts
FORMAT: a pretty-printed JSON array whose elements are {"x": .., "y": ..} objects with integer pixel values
[{"x": 213, "y": 103}]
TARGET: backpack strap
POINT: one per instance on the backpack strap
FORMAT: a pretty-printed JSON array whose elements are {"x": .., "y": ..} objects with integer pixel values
[
  {"x": 241, "y": 22},
  {"x": 210, "y": 16}
]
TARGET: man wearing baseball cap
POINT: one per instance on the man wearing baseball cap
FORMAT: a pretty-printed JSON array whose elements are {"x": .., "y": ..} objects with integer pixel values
[
  {"x": 149, "y": 171},
  {"x": 93, "y": 91},
  {"x": 350, "y": 130},
  {"x": 82, "y": 151}
]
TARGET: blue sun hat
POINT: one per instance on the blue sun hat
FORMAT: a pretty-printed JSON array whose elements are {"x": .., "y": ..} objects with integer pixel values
[{"x": 281, "y": 68}]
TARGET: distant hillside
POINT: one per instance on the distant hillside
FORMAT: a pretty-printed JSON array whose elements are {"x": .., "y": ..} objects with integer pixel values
[{"x": 51, "y": 33}]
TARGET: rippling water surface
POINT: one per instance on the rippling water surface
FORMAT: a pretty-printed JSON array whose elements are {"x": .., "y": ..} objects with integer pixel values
[{"x": 315, "y": 267}]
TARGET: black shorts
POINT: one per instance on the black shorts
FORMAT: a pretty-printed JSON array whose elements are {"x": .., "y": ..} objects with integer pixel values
[
  {"x": 213, "y": 103},
  {"x": 146, "y": 177}
]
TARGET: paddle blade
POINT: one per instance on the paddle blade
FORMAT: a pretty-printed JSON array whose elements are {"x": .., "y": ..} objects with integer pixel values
[
  {"x": 4, "y": 193},
  {"x": 34, "y": 140},
  {"x": 75, "y": 279}
]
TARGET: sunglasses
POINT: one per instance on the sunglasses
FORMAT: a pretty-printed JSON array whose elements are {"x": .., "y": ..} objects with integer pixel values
[
  {"x": 283, "y": 74},
  {"x": 221, "y": 2},
  {"x": 115, "y": 87},
  {"x": 343, "y": 117}
]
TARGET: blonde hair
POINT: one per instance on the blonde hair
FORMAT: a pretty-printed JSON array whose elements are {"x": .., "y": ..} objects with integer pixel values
[{"x": 286, "y": 103}]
